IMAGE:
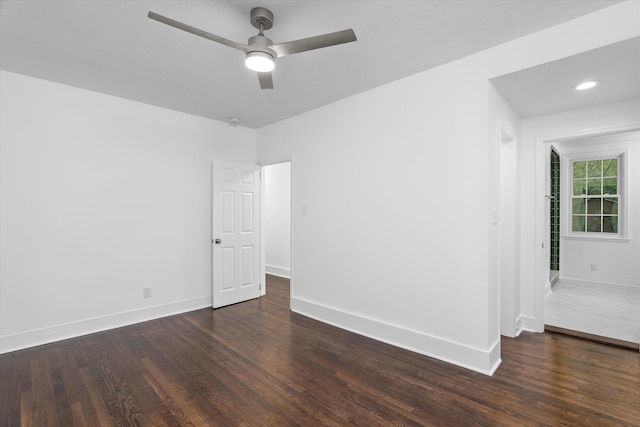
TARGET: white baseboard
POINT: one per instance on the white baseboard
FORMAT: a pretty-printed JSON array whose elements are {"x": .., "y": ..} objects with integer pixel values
[
  {"x": 485, "y": 361},
  {"x": 51, "y": 334},
  {"x": 528, "y": 324},
  {"x": 519, "y": 327},
  {"x": 603, "y": 280},
  {"x": 278, "y": 271}
]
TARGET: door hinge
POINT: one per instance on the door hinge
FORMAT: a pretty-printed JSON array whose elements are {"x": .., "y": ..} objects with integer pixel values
[{"x": 260, "y": 286}]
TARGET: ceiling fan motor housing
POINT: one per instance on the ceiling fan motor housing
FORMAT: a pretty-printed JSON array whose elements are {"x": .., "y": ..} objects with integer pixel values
[
  {"x": 261, "y": 17},
  {"x": 261, "y": 43}
]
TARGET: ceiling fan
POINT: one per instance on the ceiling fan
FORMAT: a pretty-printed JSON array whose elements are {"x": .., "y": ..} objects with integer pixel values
[{"x": 260, "y": 51}]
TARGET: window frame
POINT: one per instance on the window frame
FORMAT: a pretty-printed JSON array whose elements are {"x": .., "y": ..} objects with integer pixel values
[{"x": 567, "y": 187}]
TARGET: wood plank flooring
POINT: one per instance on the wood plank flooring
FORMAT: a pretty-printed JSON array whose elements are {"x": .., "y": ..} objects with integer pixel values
[
  {"x": 259, "y": 364},
  {"x": 597, "y": 309}
]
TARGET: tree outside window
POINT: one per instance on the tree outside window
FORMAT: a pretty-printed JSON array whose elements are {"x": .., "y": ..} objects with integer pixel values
[{"x": 595, "y": 198}]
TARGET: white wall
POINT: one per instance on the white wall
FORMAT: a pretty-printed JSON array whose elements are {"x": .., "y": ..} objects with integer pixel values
[
  {"x": 100, "y": 197},
  {"x": 399, "y": 183},
  {"x": 277, "y": 219},
  {"x": 381, "y": 225},
  {"x": 535, "y": 131},
  {"x": 504, "y": 126},
  {"x": 617, "y": 260}
]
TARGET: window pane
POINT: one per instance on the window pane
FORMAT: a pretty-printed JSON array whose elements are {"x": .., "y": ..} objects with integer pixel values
[
  {"x": 594, "y": 205},
  {"x": 610, "y": 167},
  {"x": 594, "y": 168},
  {"x": 595, "y": 196},
  {"x": 578, "y": 206},
  {"x": 577, "y": 223},
  {"x": 610, "y": 186},
  {"x": 610, "y": 206},
  {"x": 609, "y": 224},
  {"x": 594, "y": 186},
  {"x": 579, "y": 187},
  {"x": 579, "y": 169},
  {"x": 594, "y": 223}
]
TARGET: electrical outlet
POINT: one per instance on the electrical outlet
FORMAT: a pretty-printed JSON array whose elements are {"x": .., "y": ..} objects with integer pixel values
[
  {"x": 146, "y": 292},
  {"x": 594, "y": 267}
]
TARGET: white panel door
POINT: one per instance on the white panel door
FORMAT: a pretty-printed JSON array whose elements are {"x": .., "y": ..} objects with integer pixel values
[{"x": 236, "y": 233}]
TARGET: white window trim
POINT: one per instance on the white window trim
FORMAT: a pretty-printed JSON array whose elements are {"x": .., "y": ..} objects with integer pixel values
[{"x": 566, "y": 178}]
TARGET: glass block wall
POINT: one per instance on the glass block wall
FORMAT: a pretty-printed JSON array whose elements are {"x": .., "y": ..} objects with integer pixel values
[{"x": 554, "y": 214}]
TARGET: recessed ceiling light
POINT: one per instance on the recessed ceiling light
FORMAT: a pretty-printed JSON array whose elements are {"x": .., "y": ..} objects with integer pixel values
[{"x": 587, "y": 85}]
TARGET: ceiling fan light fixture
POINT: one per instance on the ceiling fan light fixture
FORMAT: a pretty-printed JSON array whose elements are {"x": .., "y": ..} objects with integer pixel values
[{"x": 261, "y": 62}]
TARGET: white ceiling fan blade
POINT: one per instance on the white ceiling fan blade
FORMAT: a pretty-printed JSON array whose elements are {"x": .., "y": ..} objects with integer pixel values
[
  {"x": 317, "y": 42},
  {"x": 198, "y": 32},
  {"x": 266, "y": 80}
]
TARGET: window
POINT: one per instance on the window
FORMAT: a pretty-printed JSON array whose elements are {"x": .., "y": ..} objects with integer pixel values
[{"x": 595, "y": 198}]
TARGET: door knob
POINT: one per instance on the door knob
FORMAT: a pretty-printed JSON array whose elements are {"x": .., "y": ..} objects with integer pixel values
[{"x": 217, "y": 241}]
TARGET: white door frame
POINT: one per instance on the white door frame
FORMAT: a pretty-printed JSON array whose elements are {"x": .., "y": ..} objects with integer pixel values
[
  {"x": 510, "y": 322},
  {"x": 542, "y": 213},
  {"x": 287, "y": 159}
]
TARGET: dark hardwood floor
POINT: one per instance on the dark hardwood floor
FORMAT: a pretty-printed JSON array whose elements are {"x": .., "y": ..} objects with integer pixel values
[{"x": 258, "y": 364}]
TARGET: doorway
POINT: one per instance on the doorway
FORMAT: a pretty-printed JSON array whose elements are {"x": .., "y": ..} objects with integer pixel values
[
  {"x": 277, "y": 219},
  {"x": 598, "y": 292}
]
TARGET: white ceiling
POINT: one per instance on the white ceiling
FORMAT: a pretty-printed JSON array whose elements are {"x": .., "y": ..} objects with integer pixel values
[
  {"x": 111, "y": 46},
  {"x": 549, "y": 88}
]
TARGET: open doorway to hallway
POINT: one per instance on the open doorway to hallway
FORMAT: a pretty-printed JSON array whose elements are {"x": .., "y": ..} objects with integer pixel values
[
  {"x": 549, "y": 110},
  {"x": 277, "y": 219},
  {"x": 598, "y": 292}
]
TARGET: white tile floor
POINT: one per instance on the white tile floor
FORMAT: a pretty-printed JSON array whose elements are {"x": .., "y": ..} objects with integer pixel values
[{"x": 598, "y": 309}]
